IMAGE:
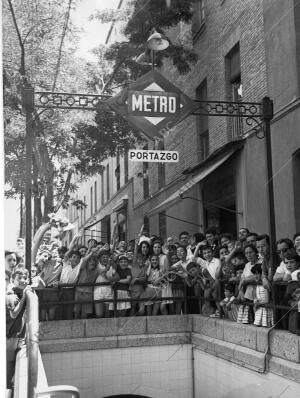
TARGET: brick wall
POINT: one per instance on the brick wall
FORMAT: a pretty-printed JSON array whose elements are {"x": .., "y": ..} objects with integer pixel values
[{"x": 226, "y": 24}]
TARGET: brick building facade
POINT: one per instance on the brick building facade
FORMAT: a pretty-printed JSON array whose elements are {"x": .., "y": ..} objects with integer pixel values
[{"x": 247, "y": 50}]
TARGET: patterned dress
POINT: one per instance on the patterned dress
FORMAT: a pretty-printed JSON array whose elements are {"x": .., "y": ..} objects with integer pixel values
[
  {"x": 263, "y": 316},
  {"x": 167, "y": 287}
]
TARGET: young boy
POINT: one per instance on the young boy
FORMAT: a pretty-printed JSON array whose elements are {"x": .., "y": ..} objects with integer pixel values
[
  {"x": 211, "y": 267},
  {"x": 69, "y": 275},
  {"x": 15, "y": 298},
  {"x": 289, "y": 268}
]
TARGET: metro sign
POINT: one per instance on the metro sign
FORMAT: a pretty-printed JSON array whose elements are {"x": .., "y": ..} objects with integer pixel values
[
  {"x": 152, "y": 104},
  {"x": 140, "y": 103}
]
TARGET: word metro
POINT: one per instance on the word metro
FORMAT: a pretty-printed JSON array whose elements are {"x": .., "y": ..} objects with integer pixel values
[{"x": 153, "y": 103}]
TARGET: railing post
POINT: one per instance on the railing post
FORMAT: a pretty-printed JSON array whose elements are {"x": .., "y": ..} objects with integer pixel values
[
  {"x": 185, "y": 298},
  {"x": 115, "y": 293},
  {"x": 267, "y": 110}
]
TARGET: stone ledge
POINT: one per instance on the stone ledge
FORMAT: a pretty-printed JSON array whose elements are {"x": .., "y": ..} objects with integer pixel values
[
  {"x": 284, "y": 368},
  {"x": 285, "y": 345},
  {"x": 116, "y": 326},
  {"x": 208, "y": 326},
  {"x": 242, "y": 356},
  {"x": 80, "y": 344},
  {"x": 95, "y": 343},
  {"x": 61, "y": 329},
  {"x": 169, "y": 324},
  {"x": 154, "y": 340}
]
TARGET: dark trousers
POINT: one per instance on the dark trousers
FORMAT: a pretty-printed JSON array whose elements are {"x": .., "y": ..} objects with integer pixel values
[{"x": 66, "y": 310}]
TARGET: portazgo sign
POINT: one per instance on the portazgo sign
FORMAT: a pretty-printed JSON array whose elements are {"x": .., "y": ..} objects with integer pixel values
[{"x": 152, "y": 104}]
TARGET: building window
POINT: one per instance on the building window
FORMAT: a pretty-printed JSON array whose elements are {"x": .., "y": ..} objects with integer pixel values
[
  {"x": 162, "y": 224},
  {"x": 198, "y": 17},
  {"x": 95, "y": 193},
  {"x": 161, "y": 168},
  {"x": 202, "y": 123},
  {"x": 102, "y": 188},
  {"x": 91, "y": 201},
  {"x": 126, "y": 167},
  {"x": 107, "y": 183},
  {"x": 105, "y": 229},
  {"x": 118, "y": 172},
  {"x": 84, "y": 209},
  {"x": 234, "y": 89},
  {"x": 145, "y": 177},
  {"x": 146, "y": 225},
  {"x": 122, "y": 224},
  {"x": 81, "y": 216}
]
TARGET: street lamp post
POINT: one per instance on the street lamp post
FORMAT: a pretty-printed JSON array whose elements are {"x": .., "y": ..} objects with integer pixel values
[{"x": 155, "y": 42}]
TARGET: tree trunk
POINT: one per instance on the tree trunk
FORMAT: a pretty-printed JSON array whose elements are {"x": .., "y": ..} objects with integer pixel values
[
  {"x": 21, "y": 232},
  {"x": 48, "y": 201},
  {"x": 37, "y": 212}
]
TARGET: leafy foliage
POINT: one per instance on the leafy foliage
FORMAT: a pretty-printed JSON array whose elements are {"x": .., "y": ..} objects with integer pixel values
[{"x": 143, "y": 17}]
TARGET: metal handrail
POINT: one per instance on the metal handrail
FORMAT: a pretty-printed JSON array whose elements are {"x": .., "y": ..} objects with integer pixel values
[
  {"x": 32, "y": 340},
  {"x": 58, "y": 390}
]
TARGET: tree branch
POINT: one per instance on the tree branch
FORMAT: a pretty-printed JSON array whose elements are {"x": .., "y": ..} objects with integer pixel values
[
  {"x": 67, "y": 183},
  {"x": 61, "y": 44},
  {"x": 113, "y": 74},
  {"x": 12, "y": 11}
]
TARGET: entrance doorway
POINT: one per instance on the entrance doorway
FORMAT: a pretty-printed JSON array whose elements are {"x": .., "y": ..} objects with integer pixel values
[{"x": 220, "y": 219}]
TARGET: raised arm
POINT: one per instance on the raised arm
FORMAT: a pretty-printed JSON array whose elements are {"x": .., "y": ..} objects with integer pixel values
[
  {"x": 197, "y": 250},
  {"x": 137, "y": 244},
  {"x": 73, "y": 243},
  {"x": 38, "y": 239},
  {"x": 93, "y": 252},
  {"x": 114, "y": 237}
]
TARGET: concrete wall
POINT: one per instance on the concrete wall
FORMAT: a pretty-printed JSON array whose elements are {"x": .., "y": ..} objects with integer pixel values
[
  {"x": 168, "y": 356},
  {"x": 219, "y": 378},
  {"x": 162, "y": 372}
]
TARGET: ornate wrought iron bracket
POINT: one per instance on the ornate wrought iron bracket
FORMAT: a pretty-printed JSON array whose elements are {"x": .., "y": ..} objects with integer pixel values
[
  {"x": 252, "y": 112},
  {"x": 76, "y": 101}
]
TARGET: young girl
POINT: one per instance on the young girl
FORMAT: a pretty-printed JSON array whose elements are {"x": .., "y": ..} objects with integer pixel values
[
  {"x": 263, "y": 316},
  {"x": 230, "y": 309},
  {"x": 124, "y": 274},
  {"x": 226, "y": 266},
  {"x": 177, "y": 284},
  {"x": 144, "y": 249},
  {"x": 164, "y": 268},
  {"x": 103, "y": 292},
  {"x": 152, "y": 290},
  {"x": 292, "y": 296},
  {"x": 245, "y": 313}
]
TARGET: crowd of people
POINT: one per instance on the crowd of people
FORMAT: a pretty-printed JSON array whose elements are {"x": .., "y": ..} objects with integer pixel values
[{"x": 216, "y": 275}]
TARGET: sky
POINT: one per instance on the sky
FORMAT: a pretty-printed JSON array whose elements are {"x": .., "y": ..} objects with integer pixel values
[{"x": 93, "y": 33}]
